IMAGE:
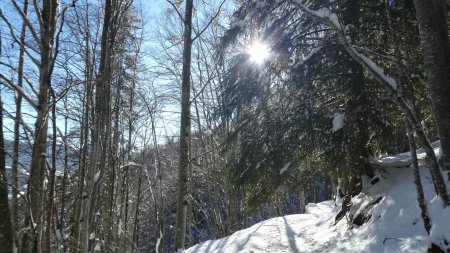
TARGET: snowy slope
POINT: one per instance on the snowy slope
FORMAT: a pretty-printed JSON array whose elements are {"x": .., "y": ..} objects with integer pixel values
[{"x": 395, "y": 224}]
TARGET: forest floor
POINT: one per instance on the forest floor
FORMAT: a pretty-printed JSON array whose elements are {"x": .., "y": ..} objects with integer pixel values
[{"x": 395, "y": 224}]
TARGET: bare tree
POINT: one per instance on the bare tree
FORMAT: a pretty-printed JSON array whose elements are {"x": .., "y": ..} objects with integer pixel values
[
  {"x": 185, "y": 128},
  {"x": 113, "y": 14},
  {"x": 100, "y": 133},
  {"x": 89, "y": 59},
  {"x": 47, "y": 14},
  {"x": 15, "y": 162}
]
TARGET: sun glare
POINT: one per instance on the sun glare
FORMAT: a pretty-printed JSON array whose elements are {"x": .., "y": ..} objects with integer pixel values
[{"x": 258, "y": 52}]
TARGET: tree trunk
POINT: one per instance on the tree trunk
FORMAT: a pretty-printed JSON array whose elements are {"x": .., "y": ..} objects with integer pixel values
[
  {"x": 100, "y": 136},
  {"x": 115, "y": 160},
  {"x": 6, "y": 230},
  {"x": 136, "y": 215},
  {"x": 74, "y": 243},
  {"x": 51, "y": 183},
  {"x": 39, "y": 154},
  {"x": 185, "y": 128},
  {"x": 302, "y": 201},
  {"x": 358, "y": 152},
  {"x": 417, "y": 180},
  {"x": 64, "y": 182},
  {"x": 17, "y": 118},
  {"x": 159, "y": 209},
  {"x": 214, "y": 220},
  {"x": 432, "y": 18},
  {"x": 85, "y": 130}
]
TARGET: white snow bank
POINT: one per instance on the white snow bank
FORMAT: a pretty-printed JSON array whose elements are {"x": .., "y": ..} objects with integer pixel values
[
  {"x": 395, "y": 224},
  {"x": 404, "y": 159}
]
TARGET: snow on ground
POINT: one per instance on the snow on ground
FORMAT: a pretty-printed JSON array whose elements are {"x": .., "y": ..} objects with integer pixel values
[
  {"x": 395, "y": 224},
  {"x": 404, "y": 159}
]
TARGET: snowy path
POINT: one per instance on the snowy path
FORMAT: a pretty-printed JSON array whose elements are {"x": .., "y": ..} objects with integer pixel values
[
  {"x": 395, "y": 224},
  {"x": 292, "y": 233}
]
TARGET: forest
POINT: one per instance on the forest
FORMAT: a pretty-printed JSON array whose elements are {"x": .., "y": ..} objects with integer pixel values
[{"x": 153, "y": 126}]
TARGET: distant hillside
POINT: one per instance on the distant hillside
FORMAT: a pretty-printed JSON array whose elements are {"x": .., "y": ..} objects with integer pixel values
[{"x": 25, "y": 160}]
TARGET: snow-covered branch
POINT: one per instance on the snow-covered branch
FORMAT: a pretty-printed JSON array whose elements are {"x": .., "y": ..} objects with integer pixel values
[
  {"x": 128, "y": 164},
  {"x": 309, "y": 56},
  {"x": 325, "y": 16},
  {"x": 21, "y": 91}
]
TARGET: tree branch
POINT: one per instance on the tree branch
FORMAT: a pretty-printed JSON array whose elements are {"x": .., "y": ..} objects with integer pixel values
[
  {"x": 176, "y": 9},
  {"x": 22, "y": 92},
  {"x": 13, "y": 35},
  {"x": 27, "y": 22},
  {"x": 325, "y": 16},
  {"x": 210, "y": 22}
]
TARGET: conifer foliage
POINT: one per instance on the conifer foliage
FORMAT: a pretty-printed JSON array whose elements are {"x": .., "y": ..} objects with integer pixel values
[
  {"x": 331, "y": 93},
  {"x": 122, "y": 132}
]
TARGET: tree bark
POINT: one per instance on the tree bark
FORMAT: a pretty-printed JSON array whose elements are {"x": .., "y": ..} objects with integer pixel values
[
  {"x": 18, "y": 116},
  {"x": 100, "y": 136},
  {"x": 85, "y": 133},
  {"x": 6, "y": 229},
  {"x": 302, "y": 200},
  {"x": 39, "y": 154},
  {"x": 64, "y": 182},
  {"x": 359, "y": 152},
  {"x": 159, "y": 209},
  {"x": 432, "y": 18},
  {"x": 136, "y": 215},
  {"x": 51, "y": 183},
  {"x": 185, "y": 128},
  {"x": 417, "y": 181}
]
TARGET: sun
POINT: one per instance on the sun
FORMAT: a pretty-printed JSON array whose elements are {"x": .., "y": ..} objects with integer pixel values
[{"x": 258, "y": 52}]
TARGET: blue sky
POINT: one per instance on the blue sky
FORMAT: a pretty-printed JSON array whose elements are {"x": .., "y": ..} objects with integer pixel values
[{"x": 153, "y": 12}]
